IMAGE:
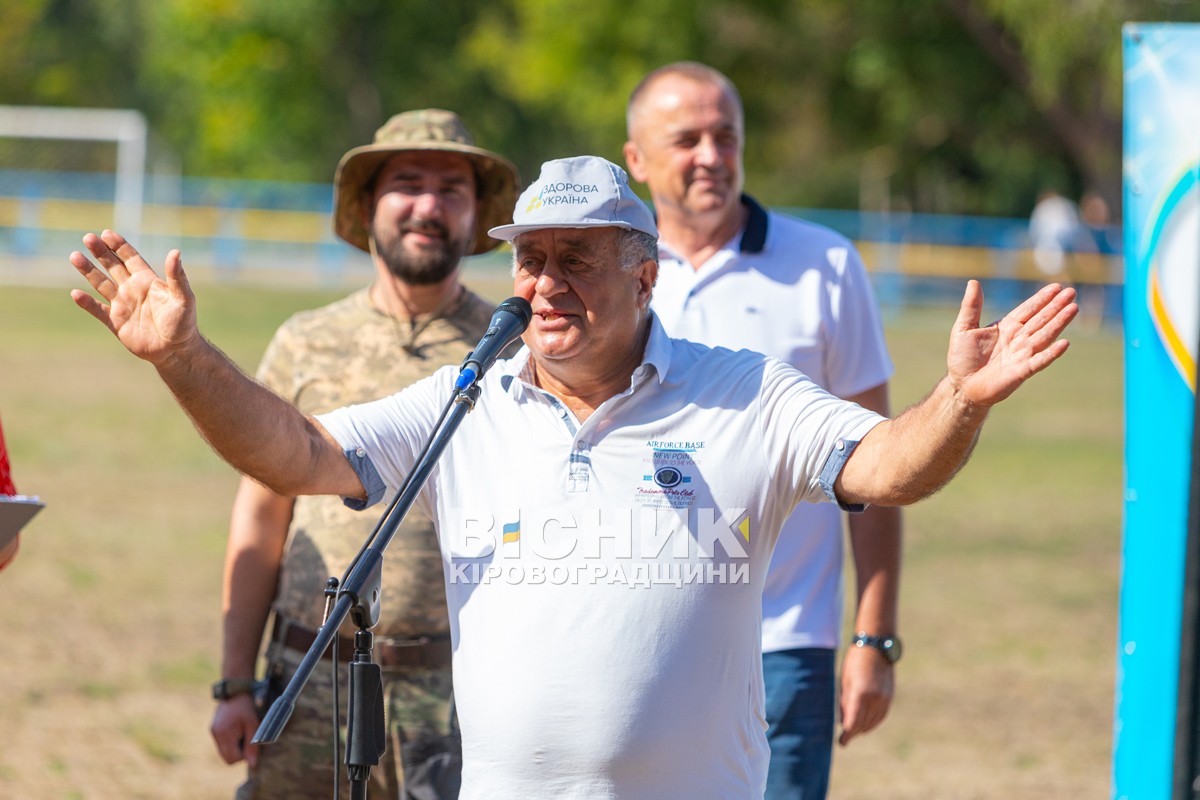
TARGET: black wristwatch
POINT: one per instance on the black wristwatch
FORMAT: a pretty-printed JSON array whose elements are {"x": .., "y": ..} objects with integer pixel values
[
  {"x": 232, "y": 687},
  {"x": 888, "y": 646}
]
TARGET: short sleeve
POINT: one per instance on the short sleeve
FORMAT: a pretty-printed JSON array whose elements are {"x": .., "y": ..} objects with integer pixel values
[
  {"x": 803, "y": 426},
  {"x": 857, "y": 357},
  {"x": 391, "y": 432}
]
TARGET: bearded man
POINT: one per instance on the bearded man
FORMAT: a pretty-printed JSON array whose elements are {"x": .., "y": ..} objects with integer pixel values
[{"x": 418, "y": 199}]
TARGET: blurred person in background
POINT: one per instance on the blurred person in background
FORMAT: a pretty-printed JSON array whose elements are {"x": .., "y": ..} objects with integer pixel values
[
  {"x": 418, "y": 199},
  {"x": 1053, "y": 232},
  {"x": 1098, "y": 233},
  {"x": 732, "y": 274},
  {"x": 1096, "y": 244}
]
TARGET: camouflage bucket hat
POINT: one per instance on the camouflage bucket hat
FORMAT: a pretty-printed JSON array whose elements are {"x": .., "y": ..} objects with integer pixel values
[{"x": 430, "y": 129}]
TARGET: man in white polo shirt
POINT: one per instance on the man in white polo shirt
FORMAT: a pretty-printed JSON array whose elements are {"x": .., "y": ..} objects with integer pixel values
[
  {"x": 732, "y": 274},
  {"x": 607, "y": 511}
]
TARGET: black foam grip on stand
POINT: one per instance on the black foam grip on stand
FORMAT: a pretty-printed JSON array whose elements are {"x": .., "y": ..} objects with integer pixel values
[{"x": 365, "y": 748}]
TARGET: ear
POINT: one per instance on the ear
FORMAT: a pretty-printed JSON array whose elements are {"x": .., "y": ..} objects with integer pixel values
[
  {"x": 646, "y": 280},
  {"x": 635, "y": 162}
]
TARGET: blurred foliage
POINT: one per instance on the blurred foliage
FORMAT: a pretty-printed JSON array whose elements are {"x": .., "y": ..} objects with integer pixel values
[{"x": 955, "y": 106}]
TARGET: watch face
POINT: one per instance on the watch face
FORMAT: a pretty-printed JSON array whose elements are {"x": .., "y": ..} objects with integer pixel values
[{"x": 892, "y": 650}]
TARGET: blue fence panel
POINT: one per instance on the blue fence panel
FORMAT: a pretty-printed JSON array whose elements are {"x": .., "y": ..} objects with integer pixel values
[{"x": 248, "y": 230}]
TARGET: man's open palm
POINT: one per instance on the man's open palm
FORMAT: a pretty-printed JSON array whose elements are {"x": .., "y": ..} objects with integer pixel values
[
  {"x": 987, "y": 364},
  {"x": 151, "y": 316}
]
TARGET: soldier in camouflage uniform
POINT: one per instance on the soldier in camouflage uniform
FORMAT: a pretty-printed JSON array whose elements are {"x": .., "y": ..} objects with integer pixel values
[{"x": 418, "y": 199}]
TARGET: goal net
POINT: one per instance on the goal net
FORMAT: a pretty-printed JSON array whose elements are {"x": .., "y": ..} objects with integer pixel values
[{"x": 64, "y": 171}]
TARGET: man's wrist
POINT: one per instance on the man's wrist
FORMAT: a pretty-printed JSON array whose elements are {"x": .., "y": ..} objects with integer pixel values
[
  {"x": 889, "y": 646},
  {"x": 970, "y": 412},
  {"x": 228, "y": 688},
  {"x": 181, "y": 356}
]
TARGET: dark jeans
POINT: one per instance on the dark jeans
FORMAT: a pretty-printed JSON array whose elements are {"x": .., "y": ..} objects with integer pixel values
[{"x": 800, "y": 709}]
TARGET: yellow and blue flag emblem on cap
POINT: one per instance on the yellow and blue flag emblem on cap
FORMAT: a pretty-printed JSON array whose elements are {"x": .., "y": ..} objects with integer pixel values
[{"x": 512, "y": 531}]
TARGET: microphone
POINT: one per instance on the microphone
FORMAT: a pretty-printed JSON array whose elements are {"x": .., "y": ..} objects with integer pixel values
[{"x": 509, "y": 321}]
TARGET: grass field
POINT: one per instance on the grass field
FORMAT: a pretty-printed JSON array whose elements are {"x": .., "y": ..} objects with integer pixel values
[{"x": 1009, "y": 598}]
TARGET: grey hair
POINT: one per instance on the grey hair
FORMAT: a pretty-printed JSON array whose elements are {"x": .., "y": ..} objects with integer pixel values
[{"x": 634, "y": 248}]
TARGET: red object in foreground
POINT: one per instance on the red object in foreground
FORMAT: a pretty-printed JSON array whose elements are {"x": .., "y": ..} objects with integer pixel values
[
  {"x": 6, "y": 483},
  {"x": 6, "y": 487}
]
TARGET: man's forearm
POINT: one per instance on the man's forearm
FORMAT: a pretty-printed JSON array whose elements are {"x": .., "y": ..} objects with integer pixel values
[
  {"x": 257, "y": 432},
  {"x": 908, "y": 458},
  {"x": 251, "y": 578},
  {"x": 257, "y": 534},
  {"x": 876, "y": 545}
]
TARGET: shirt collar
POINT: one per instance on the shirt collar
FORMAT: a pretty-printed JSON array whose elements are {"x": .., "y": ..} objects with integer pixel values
[
  {"x": 754, "y": 235},
  {"x": 518, "y": 370},
  {"x": 751, "y": 239},
  {"x": 658, "y": 351}
]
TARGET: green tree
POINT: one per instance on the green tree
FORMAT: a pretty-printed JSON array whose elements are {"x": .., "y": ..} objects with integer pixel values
[
  {"x": 965, "y": 106},
  {"x": 934, "y": 105},
  {"x": 263, "y": 89},
  {"x": 59, "y": 53}
]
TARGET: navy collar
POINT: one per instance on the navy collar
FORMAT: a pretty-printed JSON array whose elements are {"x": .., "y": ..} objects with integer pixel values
[{"x": 754, "y": 238}]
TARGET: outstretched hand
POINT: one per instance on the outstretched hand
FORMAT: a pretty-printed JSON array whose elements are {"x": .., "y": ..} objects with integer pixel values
[
  {"x": 151, "y": 316},
  {"x": 987, "y": 364}
]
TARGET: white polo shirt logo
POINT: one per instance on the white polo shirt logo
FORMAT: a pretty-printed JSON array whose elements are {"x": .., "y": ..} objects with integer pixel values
[
  {"x": 668, "y": 477},
  {"x": 670, "y": 467}
]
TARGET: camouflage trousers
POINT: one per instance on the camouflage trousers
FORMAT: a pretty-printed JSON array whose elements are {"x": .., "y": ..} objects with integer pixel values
[{"x": 300, "y": 765}]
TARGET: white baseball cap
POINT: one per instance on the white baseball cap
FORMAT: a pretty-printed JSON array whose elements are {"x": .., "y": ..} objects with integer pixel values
[{"x": 579, "y": 192}]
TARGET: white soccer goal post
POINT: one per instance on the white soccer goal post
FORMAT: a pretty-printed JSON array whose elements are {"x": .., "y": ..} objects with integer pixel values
[{"x": 126, "y": 128}]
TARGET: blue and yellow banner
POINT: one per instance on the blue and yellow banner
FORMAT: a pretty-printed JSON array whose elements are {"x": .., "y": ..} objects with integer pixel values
[{"x": 1162, "y": 303}]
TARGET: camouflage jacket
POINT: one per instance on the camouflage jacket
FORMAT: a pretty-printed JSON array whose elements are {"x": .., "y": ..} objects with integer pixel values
[{"x": 350, "y": 352}]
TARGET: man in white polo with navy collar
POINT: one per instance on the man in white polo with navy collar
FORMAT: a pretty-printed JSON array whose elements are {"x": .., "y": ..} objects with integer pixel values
[{"x": 607, "y": 510}]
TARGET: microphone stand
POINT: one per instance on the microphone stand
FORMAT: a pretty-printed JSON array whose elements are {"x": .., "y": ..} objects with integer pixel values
[{"x": 358, "y": 596}]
